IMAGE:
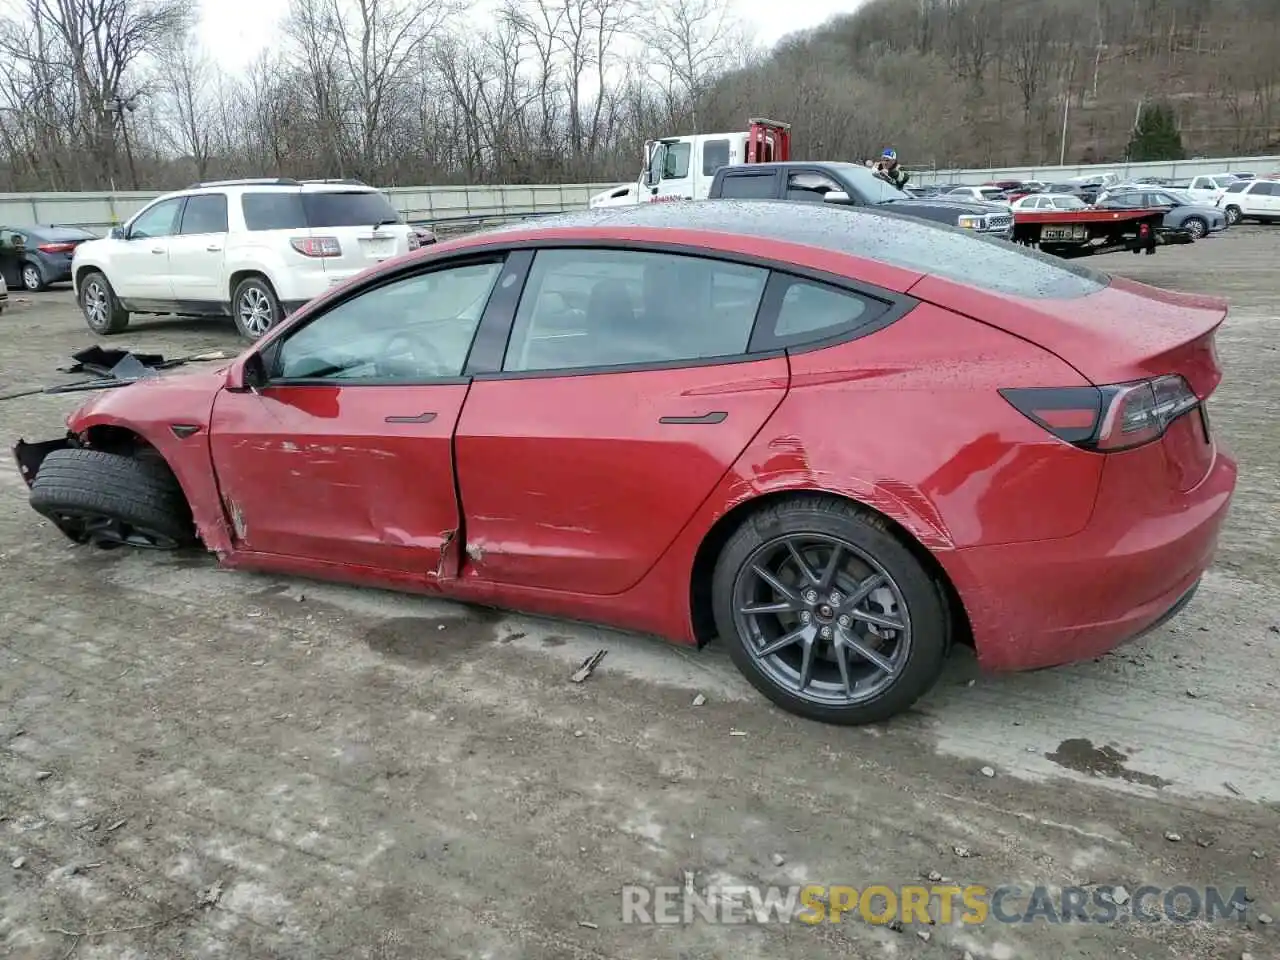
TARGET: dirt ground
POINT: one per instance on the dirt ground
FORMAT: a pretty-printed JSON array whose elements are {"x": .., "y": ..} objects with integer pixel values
[{"x": 354, "y": 774}]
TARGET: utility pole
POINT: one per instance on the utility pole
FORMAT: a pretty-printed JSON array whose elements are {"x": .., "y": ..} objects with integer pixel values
[{"x": 117, "y": 106}]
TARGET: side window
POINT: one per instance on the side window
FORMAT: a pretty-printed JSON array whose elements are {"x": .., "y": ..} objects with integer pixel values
[
  {"x": 273, "y": 210},
  {"x": 205, "y": 213},
  {"x": 158, "y": 221},
  {"x": 715, "y": 154},
  {"x": 408, "y": 331},
  {"x": 1238, "y": 187},
  {"x": 600, "y": 308},
  {"x": 748, "y": 186},
  {"x": 676, "y": 165},
  {"x": 810, "y": 186},
  {"x": 810, "y": 311},
  {"x": 1267, "y": 189}
]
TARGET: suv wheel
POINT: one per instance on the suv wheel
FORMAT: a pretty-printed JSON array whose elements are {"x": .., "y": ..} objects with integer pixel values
[
  {"x": 32, "y": 278},
  {"x": 100, "y": 306},
  {"x": 1233, "y": 215},
  {"x": 255, "y": 307}
]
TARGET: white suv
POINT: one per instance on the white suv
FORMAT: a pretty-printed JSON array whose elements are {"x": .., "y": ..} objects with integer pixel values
[
  {"x": 253, "y": 250},
  {"x": 1252, "y": 200}
]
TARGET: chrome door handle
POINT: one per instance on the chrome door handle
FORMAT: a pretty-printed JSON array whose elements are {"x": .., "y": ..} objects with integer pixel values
[{"x": 213, "y": 248}]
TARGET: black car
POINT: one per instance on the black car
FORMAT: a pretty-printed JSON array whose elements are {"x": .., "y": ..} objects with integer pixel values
[
  {"x": 1088, "y": 192},
  {"x": 47, "y": 255},
  {"x": 850, "y": 184}
]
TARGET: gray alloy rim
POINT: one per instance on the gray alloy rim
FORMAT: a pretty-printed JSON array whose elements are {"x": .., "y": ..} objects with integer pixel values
[
  {"x": 102, "y": 530},
  {"x": 255, "y": 311},
  {"x": 95, "y": 304},
  {"x": 31, "y": 277},
  {"x": 1196, "y": 229},
  {"x": 822, "y": 619},
  {"x": 1233, "y": 215}
]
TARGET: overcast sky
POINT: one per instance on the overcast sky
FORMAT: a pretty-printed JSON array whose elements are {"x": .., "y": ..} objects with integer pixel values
[{"x": 236, "y": 31}]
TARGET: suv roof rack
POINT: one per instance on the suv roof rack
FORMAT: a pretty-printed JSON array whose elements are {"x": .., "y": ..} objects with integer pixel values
[
  {"x": 249, "y": 181},
  {"x": 346, "y": 181}
]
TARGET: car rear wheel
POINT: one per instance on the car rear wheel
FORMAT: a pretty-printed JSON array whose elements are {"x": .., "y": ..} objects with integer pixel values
[
  {"x": 100, "y": 306},
  {"x": 256, "y": 308},
  {"x": 828, "y": 614},
  {"x": 1197, "y": 227},
  {"x": 32, "y": 278},
  {"x": 111, "y": 500},
  {"x": 1233, "y": 215}
]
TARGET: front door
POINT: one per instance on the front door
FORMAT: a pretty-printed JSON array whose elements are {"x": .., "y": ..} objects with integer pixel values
[
  {"x": 139, "y": 268},
  {"x": 346, "y": 456},
  {"x": 623, "y": 400},
  {"x": 196, "y": 252}
]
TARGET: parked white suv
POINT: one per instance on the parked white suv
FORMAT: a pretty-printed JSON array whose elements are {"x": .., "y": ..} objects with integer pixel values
[
  {"x": 253, "y": 250},
  {"x": 1252, "y": 200}
]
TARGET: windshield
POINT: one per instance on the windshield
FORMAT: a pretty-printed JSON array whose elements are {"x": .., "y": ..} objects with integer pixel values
[
  {"x": 1069, "y": 203},
  {"x": 992, "y": 193},
  {"x": 1178, "y": 196}
]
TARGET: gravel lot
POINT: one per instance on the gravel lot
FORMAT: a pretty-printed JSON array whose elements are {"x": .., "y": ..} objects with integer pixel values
[{"x": 365, "y": 775}]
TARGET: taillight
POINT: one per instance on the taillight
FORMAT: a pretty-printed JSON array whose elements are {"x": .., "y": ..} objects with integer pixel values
[
  {"x": 1107, "y": 419},
  {"x": 56, "y": 247},
  {"x": 317, "y": 246}
]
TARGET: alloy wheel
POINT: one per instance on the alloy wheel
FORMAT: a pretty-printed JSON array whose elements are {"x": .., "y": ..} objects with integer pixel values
[
  {"x": 1196, "y": 229},
  {"x": 96, "y": 307},
  {"x": 107, "y": 532},
  {"x": 822, "y": 619},
  {"x": 31, "y": 277},
  {"x": 1233, "y": 215},
  {"x": 255, "y": 311}
]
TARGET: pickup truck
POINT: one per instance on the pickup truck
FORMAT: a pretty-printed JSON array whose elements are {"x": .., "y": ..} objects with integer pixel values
[{"x": 850, "y": 184}]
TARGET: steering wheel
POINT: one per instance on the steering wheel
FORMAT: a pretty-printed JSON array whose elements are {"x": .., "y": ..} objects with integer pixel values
[{"x": 407, "y": 355}]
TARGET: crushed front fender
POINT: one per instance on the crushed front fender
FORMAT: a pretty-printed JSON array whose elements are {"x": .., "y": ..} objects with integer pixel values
[{"x": 30, "y": 456}]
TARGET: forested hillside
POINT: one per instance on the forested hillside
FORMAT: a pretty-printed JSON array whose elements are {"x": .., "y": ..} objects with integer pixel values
[{"x": 102, "y": 92}]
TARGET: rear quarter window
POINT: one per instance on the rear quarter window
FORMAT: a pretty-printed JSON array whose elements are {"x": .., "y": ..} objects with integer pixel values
[
  {"x": 273, "y": 211},
  {"x": 754, "y": 186}
]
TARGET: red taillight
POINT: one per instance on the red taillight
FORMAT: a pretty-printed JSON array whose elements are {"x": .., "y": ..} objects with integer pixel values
[
  {"x": 56, "y": 247},
  {"x": 317, "y": 246},
  {"x": 1107, "y": 419}
]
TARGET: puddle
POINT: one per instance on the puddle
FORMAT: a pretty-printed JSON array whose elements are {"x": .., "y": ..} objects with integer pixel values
[
  {"x": 1082, "y": 756},
  {"x": 428, "y": 639}
]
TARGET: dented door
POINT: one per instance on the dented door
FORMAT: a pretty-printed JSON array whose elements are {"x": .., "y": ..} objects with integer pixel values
[{"x": 346, "y": 474}]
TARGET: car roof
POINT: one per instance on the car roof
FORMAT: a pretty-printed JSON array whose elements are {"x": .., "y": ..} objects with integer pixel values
[{"x": 894, "y": 247}]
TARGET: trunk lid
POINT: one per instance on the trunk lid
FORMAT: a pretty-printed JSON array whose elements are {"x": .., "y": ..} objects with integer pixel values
[{"x": 1120, "y": 332}]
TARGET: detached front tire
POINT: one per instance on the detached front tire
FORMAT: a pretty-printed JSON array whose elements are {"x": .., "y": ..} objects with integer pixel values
[
  {"x": 828, "y": 613},
  {"x": 100, "y": 305},
  {"x": 112, "y": 500}
]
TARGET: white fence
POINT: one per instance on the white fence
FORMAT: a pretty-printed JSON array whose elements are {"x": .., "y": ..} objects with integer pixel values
[
  {"x": 438, "y": 205},
  {"x": 1173, "y": 170}
]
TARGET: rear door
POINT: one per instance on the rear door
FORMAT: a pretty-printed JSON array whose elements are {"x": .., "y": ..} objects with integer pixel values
[
  {"x": 197, "y": 250},
  {"x": 1265, "y": 198},
  {"x": 364, "y": 223},
  {"x": 624, "y": 396}
]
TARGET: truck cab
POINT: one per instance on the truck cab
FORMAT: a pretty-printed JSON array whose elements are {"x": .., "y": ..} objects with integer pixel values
[
  {"x": 682, "y": 168},
  {"x": 850, "y": 184}
]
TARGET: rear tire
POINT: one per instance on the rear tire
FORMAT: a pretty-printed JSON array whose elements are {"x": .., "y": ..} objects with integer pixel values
[
  {"x": 112, "y": 500},
  {"x": 1197, "y": 227},
  {"x": 33, "y": 278},
  {"x": 1233, "y": 215},
  {"x": 100, "y": 305},
  {"x": 831, "y": 610},
  {"x": 255, "y": 307}
]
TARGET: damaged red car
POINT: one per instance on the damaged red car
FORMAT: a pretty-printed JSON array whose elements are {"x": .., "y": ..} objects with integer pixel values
[{"x": 840, "y": 441}]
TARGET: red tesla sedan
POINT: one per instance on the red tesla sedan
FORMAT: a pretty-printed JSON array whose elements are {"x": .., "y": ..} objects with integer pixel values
[{"x": 838, "y": 440}]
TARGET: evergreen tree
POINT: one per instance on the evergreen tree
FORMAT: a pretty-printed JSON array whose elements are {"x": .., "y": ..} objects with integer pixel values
[{"x": 1156, "y": 137}]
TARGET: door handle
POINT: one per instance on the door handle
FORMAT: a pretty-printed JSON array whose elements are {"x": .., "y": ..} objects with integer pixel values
[
  {"x": 715, "y": 416},
  {"x": 157, "y": 249},
  {"x": 213, "y": 248},
  {"x": 420, "y": 418}
]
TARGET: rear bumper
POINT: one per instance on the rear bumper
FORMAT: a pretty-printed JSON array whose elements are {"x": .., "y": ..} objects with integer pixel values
[{"x": 1135, "y": 565}]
